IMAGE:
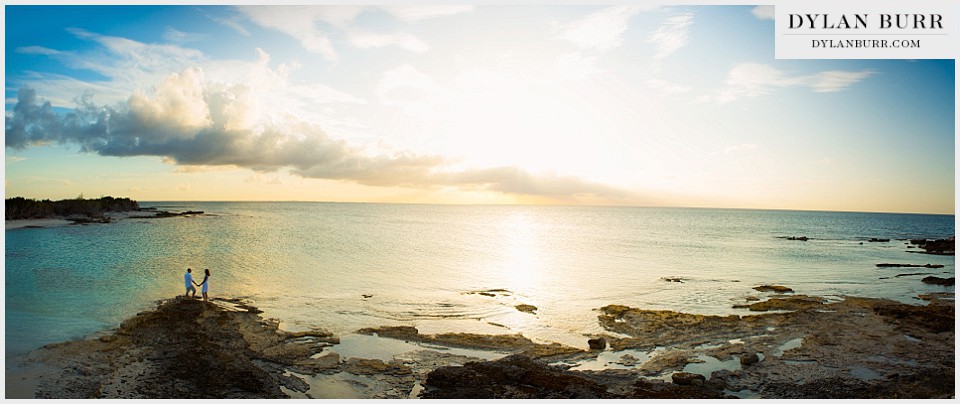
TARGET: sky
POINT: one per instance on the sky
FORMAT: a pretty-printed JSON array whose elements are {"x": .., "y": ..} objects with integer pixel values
[{"x": 633, "y": 105}]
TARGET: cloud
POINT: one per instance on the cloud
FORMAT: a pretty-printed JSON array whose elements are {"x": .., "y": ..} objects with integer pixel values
[
  {"x": 195, "y": 123},
  {"x": 667, "y": 87},
  {"x": 37, "y": 50},
  {"x": 15, "y": 159},
  {"x": 415, "y": 13},
  {"x": 602, "y": 30},
  {"x": 301, "y": 22},
  {"x": 764, "y": 12},
  {"x": 232, "y": 22},
  {"x": 173, "y": 35},
  {"x": 316, "y": 27},
  {"x": 836, "y": 80},
  {"x": 671, "y": 35},
  {"x": 512, "y": 180},
  {"x": 749, "y": 80},
  {"x": 409, "y": 42}
]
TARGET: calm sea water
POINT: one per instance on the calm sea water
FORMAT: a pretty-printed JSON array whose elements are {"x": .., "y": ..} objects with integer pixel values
[{"x": 310, "y": 264}]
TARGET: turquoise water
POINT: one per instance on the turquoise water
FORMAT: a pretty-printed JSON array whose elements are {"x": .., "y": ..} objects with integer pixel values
[{"x": 310, "y": 264}]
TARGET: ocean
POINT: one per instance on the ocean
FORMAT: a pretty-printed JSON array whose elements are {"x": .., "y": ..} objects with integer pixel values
[{"x": 342, "y": 267}]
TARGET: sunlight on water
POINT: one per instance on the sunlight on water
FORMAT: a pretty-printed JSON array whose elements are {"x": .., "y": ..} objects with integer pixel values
[{"x": 342, "y": 267}]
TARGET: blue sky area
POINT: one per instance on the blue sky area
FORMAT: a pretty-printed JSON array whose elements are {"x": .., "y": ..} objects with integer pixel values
[{"x": 612, "y": 105}]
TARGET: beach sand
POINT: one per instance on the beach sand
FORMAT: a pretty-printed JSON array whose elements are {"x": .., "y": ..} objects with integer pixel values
[{"x": 807, "y": 348}]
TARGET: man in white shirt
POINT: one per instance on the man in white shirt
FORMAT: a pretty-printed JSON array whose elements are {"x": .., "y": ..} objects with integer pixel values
[{"x": 188, "y": 281}]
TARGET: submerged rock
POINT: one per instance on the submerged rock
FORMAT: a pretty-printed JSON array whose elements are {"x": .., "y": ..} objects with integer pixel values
[
  {"x": 773, "y": 288},
  {"x": 909, "y": 266},
  {"x": 526, "y": 308}
]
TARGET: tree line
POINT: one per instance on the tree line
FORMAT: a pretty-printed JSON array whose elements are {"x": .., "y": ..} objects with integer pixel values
[{"x": 22, "y": 208}]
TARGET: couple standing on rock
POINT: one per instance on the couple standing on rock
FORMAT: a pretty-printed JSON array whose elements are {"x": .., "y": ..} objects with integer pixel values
[{"x": 188, "y": 282}]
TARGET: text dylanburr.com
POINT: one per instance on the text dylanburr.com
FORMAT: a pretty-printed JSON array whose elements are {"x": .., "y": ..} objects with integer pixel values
[{"x": 879, "y": 30}]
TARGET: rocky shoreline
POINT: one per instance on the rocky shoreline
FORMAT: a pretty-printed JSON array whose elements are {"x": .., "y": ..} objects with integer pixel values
[{"x": 806, "y": 348}]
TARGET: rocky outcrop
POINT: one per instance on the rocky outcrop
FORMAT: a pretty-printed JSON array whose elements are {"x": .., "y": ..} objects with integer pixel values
[
  {"x": 936, "y": 247},
  {"x": 519, "y": 377},
  {"x": 935, "y": 280},
  {"x": 909, "y": 266},
  {"x": 597, "y": 343},
  {"x": 512, "y": 343},
  {"x": 799, "y": 302},
  {"x": 186, "y": 348},
  {"x": 773, "y": 288}
]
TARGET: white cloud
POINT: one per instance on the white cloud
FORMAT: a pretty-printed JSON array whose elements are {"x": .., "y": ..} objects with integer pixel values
[
  {"x": 750, "y": 80},
  {"x": 301, "y": 22},
  {"x": 836, "y": 80},
  {"x": 667, "y": 87},
  {"x": 316, "y": 26},
  {"x": 671, "y": 35},
  {"x": 602, "y": 30},
  {"x": 405, "y": 85},
  {"x": 173, "y": 35},
  {"x": 764, "y": 12},
  {"x": 37, "y": 50},
  {"x": 409, "y": 42},
  {"x": 414, "y": 13},
  {"x": 232, "y": 22}
]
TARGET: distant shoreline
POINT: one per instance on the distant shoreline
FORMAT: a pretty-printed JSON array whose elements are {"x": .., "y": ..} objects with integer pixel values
[{"x": 60, "y": 221}]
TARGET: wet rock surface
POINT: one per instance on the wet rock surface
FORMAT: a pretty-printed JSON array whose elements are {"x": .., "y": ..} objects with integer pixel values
[
  {"x": 857, "y": 347},
  {"x": 853, "y": 348}
]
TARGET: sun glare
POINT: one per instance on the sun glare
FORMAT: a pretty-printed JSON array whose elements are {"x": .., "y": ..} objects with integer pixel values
[{"x": 521, "y": 253}]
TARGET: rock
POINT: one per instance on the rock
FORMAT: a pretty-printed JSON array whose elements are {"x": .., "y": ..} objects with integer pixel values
[
  {"x": 879, "y": 240},
  {"x": 597, "y": 343},
  {"x": 628, "y": 360},
  {"x": 749, "y": 359},
  {"x": 799, "y": 302},
  {"x": 934, "y": 280},
  {"x": 936, "y": 247},
  {"x": 885, "y": 265},
  {"x": 800, "y": 238},
  {"x": 672, "y": 279},
  {"x": 317, "y": 365},
  {"x": 294, "y": 383},
  {"x": 773, "y": 288},
  {"x": 526, "y": 308},
  {"x": 688, "y": 379},
  {"x": 512, "y": 377}
]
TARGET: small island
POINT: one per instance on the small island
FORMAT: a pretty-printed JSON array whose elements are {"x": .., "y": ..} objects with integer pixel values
[{"x": 32, "y": 213}]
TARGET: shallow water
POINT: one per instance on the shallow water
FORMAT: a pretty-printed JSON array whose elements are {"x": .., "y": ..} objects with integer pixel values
[{"x": 312, "y": 264}]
